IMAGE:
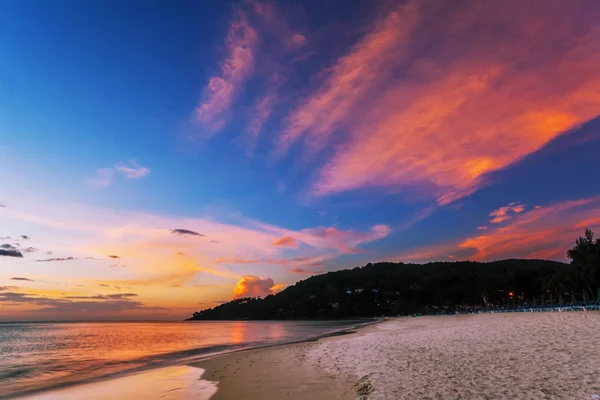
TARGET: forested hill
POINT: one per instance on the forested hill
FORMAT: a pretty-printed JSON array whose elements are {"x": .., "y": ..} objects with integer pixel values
[{"x": 398, "y": 288}]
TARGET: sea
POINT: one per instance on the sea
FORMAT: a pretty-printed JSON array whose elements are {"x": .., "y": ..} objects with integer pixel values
[{"x": 38, "y": 357}]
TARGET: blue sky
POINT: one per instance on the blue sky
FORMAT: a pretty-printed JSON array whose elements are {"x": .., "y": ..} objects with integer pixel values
[{"x": 293, "y": 137}]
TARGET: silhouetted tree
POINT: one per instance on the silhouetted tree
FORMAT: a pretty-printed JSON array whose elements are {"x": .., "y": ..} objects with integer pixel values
[{"x": 585, "y": 257}]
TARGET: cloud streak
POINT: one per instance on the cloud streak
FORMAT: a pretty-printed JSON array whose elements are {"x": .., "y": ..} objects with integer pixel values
[
  {"x": 505, "y": 213},
  {"x": 185, "y": 232},
  {"x": 132, "y": 170},
  {"x": 542, "y": 232},
  {"x": 238, "y": 65},
  {"x": 439, "y": 94}
]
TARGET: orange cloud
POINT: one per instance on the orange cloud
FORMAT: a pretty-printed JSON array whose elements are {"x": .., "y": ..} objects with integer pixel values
[
  {"x": 275, "y": 261},
  {"x": 253, "y": 286},
  {"x": 542, "y": 232},
  {"x": 440, "y": 94},
  {"x": 285, "y": 241},
  {"x": 235, "y": 69},
  {"x": 304, "y": 271},
  {"x": 505, "y": 213}
]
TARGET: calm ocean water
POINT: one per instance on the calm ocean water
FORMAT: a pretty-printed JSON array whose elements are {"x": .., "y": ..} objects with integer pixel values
[{"x": 38, "y": 356}]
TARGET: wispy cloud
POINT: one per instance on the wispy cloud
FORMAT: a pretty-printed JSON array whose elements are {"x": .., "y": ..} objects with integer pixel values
[
  {"x": 132, "y": 170},
  {"x": 57, "y": 259},
  {"x": 261, "y": 44},
  {"x": 22, "y": 279},
  {"x": 238, "y": 65},
  {"x": 104, "y": 177},
  {"x": 76, "y": 304},
  {"x": 541, "y": 232},
  {"x": 437, "y": 96},
  {"x": 304, "y": 271},
  {"x": 505, "y": 213},
  {"x": 312, "y": 261},
  {"x": 285, "y": 241},
  {"x": 114, "y": 296}
]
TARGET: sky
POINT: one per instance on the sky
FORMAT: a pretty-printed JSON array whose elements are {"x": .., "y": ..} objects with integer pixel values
[{"x": 158, "y": 158}]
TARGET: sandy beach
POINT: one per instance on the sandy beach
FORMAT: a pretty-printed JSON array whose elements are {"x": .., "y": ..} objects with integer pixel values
[{"x": 488, "y": 356}]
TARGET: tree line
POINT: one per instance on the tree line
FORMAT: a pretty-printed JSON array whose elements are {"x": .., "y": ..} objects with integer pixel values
[{"x": 387, "y": 289}]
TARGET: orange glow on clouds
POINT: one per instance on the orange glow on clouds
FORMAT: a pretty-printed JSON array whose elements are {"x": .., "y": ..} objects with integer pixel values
[
  {"x": 438, "y": 99},
  {"x": 542, "y": 232},
  {"x": 253, "y": 286},
  {"x": 168, "y": 263}
]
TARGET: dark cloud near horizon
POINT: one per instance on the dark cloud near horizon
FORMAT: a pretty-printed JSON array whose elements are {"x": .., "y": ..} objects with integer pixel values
[
  {"x": 58, "y": 259},
  {"x": 24, "y": 237},
  {"x": 114, "y": 296},
  {"x": 2, "y": 205},
  {"x": 11, "y": 253},
  {"x": 113, "y": 303},
  {"x": 19, "y": 278},
  {"x": 185, "y": 232},
  {"x": 8, "y": 288},
  {"x": 15, "y": 248},
  {"x": 114, "y": 256},
  {"x": 103, "y": 284}
]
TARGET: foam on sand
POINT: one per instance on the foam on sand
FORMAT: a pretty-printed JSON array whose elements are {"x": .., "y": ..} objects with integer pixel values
[
  {"x": 490, "y": 356},
  {"x": 170, "y": 383}
]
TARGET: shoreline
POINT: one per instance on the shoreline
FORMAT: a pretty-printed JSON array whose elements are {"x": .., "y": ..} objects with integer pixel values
[
  {"x": 192, "y": 362},
  {"x": 280, "y": 371}
]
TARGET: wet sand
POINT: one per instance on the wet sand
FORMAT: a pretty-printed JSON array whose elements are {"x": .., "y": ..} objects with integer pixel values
[
  {"x": 169, "y": 383},
  {"x": 280, "y": 372}
]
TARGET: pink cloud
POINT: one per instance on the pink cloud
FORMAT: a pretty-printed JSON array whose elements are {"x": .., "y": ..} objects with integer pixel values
[
  {"x": 103, "y": 178},
  {"x": 285, "y": 241},
  {"x": 223, "y": 88},
  {"x": 505, "y": 213},
  {"x": 304, "y": 271},
  {"x": 438, "y": 100},
  {"x": 343, "y": 241},
  {"x": 542, "y": 232},
  {"x": 132, "y": 170}
]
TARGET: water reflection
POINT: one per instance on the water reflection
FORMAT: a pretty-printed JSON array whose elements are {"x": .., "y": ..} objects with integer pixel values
[{"x": 35, "y": 356}]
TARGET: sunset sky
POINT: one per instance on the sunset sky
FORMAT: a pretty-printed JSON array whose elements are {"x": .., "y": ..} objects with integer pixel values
[{"x": 159, "y": 158}]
